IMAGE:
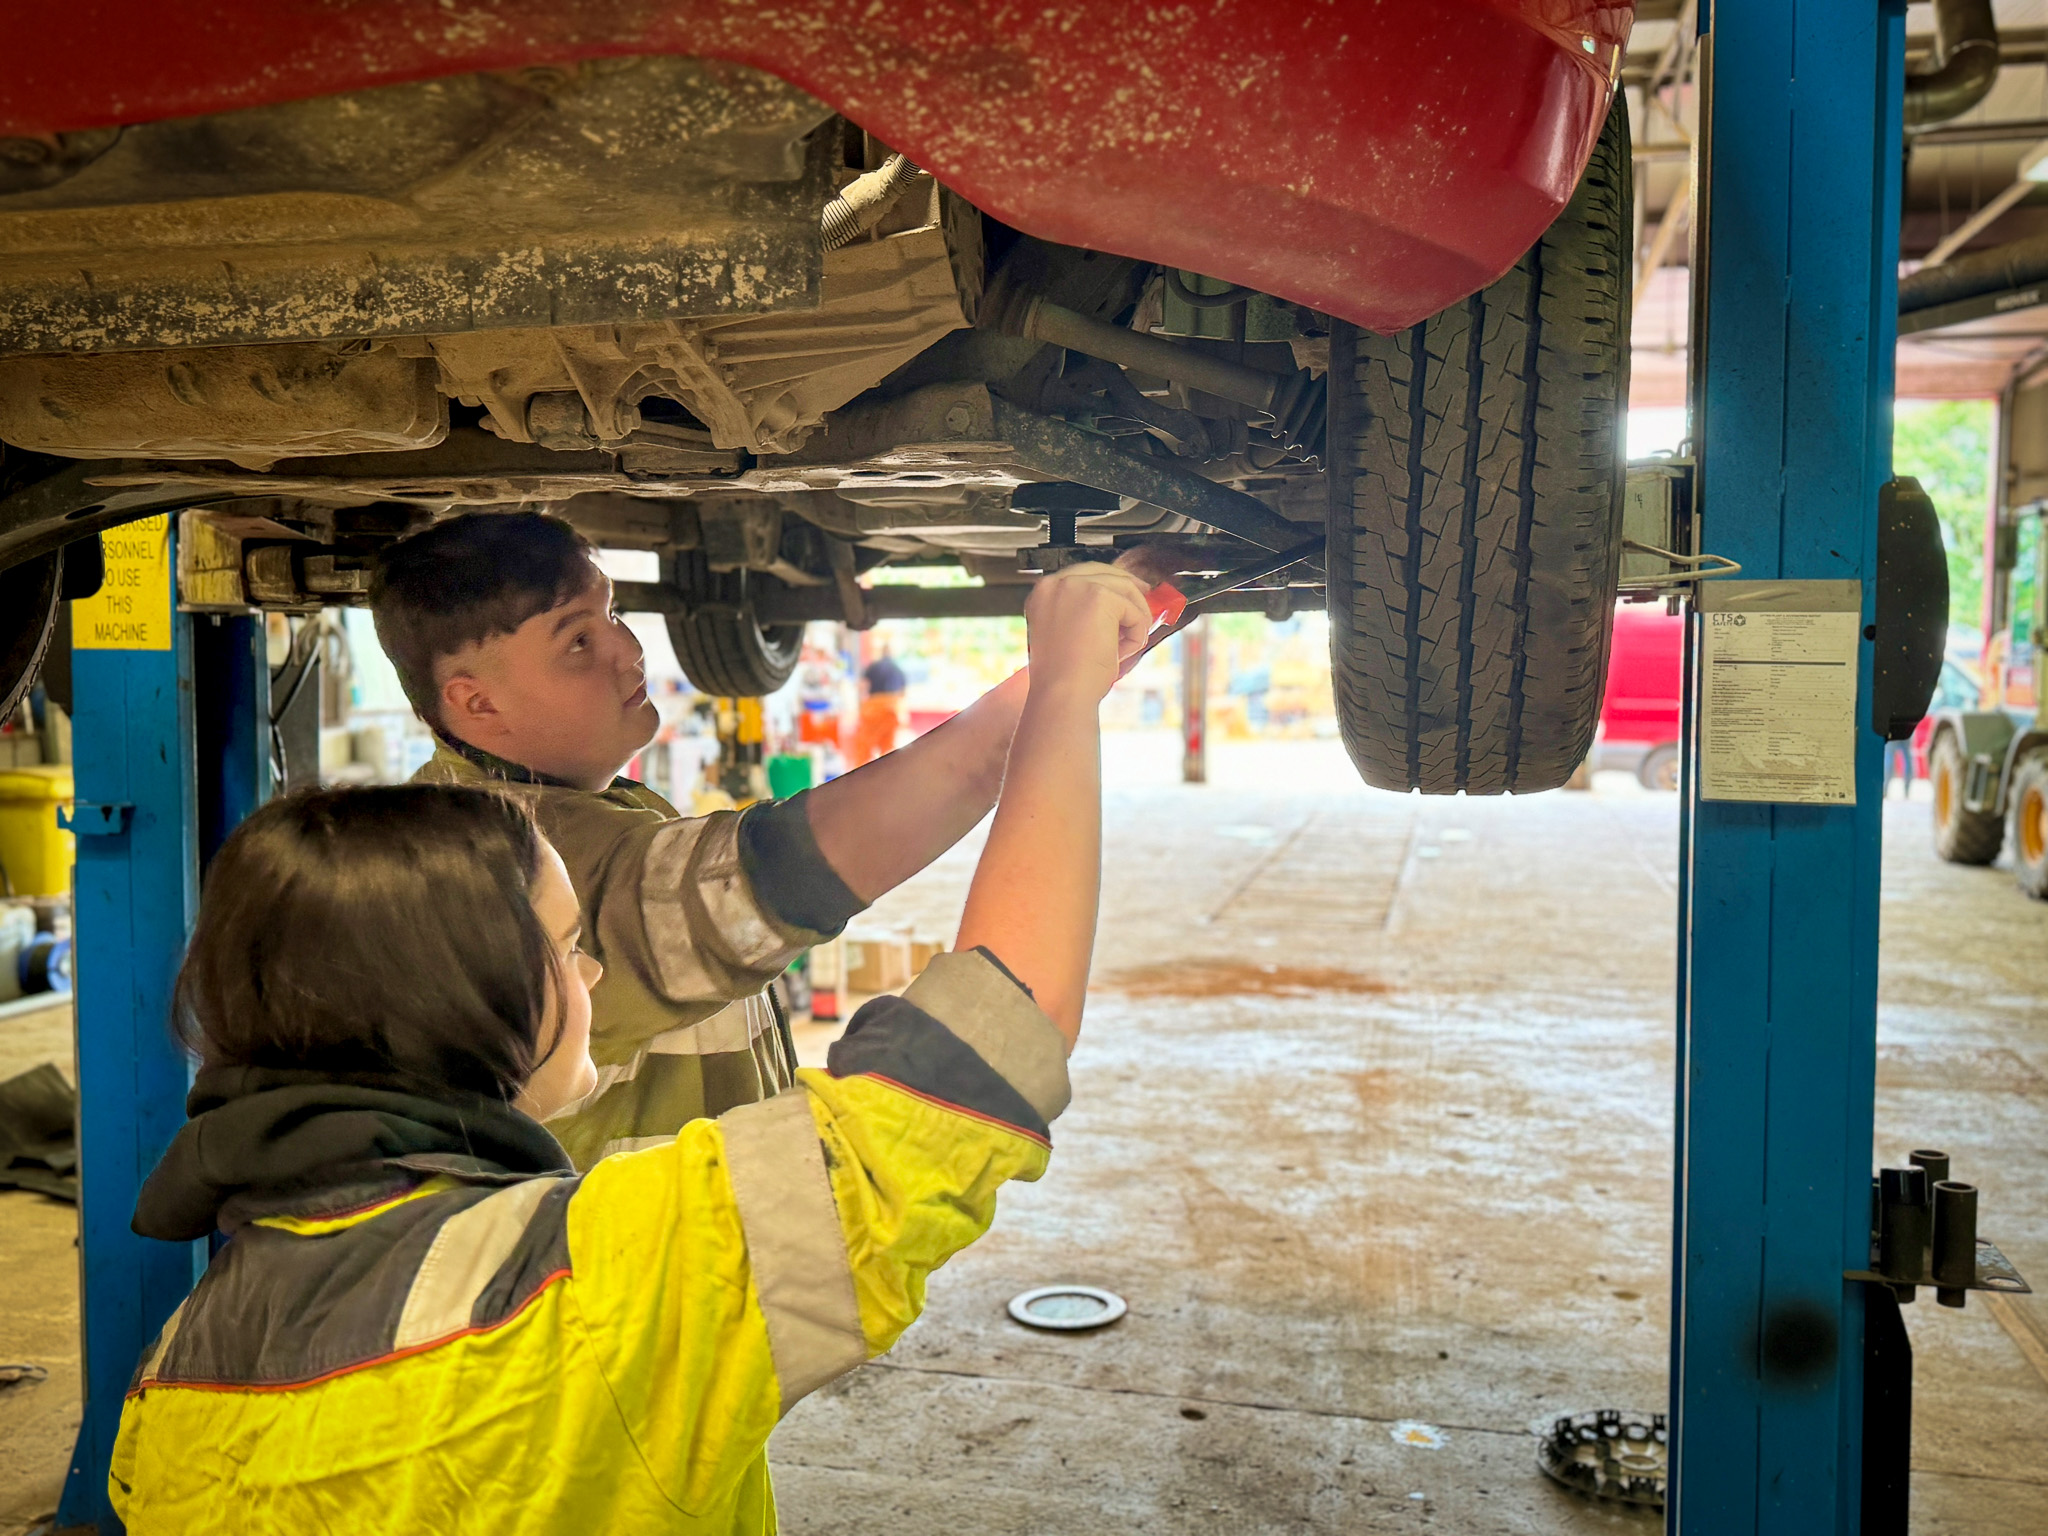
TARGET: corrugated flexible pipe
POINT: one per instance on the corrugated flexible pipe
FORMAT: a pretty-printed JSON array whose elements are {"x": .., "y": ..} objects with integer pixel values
[
  {"x": 858, "y": 206},
  {"x": 2010, "y": 266}
]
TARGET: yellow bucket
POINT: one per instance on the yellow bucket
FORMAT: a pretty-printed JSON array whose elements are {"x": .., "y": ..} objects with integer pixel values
[{"x": 35, "y": 852}]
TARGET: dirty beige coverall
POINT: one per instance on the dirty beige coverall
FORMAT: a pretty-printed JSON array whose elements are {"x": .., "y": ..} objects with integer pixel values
[{"x": 691, "y": 917}]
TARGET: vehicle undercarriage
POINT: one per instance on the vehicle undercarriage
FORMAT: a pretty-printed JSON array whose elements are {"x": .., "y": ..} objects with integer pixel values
[{"x": 693, "y": 310}]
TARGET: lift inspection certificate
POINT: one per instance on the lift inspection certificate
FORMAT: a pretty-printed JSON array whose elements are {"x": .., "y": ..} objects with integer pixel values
[{"x": 1778, "y": 667}]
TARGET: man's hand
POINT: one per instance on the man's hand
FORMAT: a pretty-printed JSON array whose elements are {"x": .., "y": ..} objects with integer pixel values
[
  {"x": 1083, "y": 620},
  {"x": 881, "y": 824}
]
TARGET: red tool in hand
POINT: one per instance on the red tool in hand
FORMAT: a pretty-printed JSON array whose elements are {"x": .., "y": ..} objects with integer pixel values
[{"x": 1171, "y": 600}]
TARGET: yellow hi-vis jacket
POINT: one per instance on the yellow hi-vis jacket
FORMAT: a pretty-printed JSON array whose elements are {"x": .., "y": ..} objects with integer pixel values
[{"x": 528, "y": 1356}]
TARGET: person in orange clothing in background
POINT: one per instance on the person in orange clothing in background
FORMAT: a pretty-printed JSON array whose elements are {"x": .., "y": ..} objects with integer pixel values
[{"x": 881, "y": 711}]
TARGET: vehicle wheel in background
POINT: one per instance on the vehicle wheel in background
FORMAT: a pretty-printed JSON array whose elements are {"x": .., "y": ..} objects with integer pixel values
[
  {"x": 1960, "y": 836},
  {"x": 2029, "y": 801},
  {"x": 29, "y": 595},
  {"x": 1659, "y": 768},
  {"x": 1476, "y": 464},
  {"x": 723, "y": 649}
]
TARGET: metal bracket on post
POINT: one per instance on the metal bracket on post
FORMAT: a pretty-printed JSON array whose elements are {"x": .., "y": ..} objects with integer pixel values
[
  {"x": 1659, "y": 554},
  {"x": 85, "y": 819}
]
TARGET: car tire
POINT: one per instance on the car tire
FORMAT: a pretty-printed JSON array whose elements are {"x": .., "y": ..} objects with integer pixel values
[
  {"x": 2029, "y": 801},
  {"x": 1476, "y": 472},
  {"x": 30, "y": 594},
  {"x": 1961, "y": 836},
  {"x": 1659, "y": 769},
  {"x": 722, "y": 648}
]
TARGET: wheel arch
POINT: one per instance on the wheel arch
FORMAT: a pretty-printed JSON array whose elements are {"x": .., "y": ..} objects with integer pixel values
[
  {"x": 2025, "y": 743},
  {"x": 1981, "y": 735}
]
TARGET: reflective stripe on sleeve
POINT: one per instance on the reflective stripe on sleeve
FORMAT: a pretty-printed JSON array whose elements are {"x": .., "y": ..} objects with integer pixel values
[
  {"x": 694, "y": 863},
  {"x": 985, "y": 1006},
  {"x": 795, "y": 1244},
  {"x": 467, "y": 1252}
]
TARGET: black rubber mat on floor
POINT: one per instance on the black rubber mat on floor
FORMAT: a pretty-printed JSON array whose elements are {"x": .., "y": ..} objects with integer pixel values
[{"x": 38, "y": 1124}]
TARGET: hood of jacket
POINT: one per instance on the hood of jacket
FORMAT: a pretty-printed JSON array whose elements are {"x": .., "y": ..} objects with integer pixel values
[{"x": 268, "y": 1134}]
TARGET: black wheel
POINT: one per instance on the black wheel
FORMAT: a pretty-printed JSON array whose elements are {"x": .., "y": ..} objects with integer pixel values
[
  {"x": 1960, "y": 836},
  {"x": 2029, "y": 802},
  {"x": 723, "y": 649},
  {"x": 1476, "y": 471},
  {"x": 29, "y": 596},
  {"x": 1659, "y": 769}
]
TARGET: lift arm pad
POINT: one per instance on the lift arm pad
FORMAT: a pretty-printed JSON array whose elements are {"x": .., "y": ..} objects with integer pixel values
[{"x": 1912, "y": 608}]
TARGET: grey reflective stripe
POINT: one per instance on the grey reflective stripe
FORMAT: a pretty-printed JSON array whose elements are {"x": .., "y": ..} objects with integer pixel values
[
  {"x": 694, "y": 863},
  {"x": 469, "y": 1249},
  {"x": 168, "y": 1332},
  {"x": 980, "y": 1003},
  {"x": 634, "y": 1144},
  {"x": 734, "y": 1027},
  {"x": 795, "y": 1245}
]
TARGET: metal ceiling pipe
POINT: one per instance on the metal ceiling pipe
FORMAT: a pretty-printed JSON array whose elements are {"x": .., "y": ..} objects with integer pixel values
[
  {"x": 1966, "y": 44},
  {"x": 2013, "y": 265}
]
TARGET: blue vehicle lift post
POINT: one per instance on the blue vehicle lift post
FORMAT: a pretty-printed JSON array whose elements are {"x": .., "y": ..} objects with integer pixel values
[
  {"x": 1796, "y": 292},
  {"x": 171, "y": 749}
]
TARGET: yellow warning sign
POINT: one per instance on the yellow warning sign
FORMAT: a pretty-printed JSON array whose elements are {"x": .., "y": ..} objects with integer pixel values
[{"x": 132, "y": 609}]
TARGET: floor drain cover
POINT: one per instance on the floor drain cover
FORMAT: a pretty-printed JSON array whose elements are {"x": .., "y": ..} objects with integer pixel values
[
  {"x": 1607, "y": 1454},
  {"x": 1067, "y": 1307}
]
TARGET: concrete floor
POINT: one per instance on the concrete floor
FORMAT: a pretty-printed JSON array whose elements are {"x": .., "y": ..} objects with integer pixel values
[
  {"x": 1371, "y": 1125},
  {"x": 38, "y": 1307}
]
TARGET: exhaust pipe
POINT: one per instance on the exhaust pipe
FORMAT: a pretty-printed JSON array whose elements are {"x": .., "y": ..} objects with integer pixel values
[{"x": 1294, "y": 402}]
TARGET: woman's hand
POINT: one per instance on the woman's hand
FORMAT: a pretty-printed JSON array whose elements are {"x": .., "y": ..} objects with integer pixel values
[{"x": 1083, "y": 620}]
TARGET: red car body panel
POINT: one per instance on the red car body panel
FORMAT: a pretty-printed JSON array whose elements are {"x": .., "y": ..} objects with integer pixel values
[
  {"x": 1645, "y": 674},
  {"x": 1374, "y": 161}
]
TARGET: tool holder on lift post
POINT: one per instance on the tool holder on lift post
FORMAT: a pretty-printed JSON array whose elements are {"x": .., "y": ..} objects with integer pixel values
[{"x": 1923, "y": 1231}]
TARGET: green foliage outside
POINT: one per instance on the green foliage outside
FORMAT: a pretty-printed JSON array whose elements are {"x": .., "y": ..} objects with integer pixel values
[{"x": 1946, "y": 446}]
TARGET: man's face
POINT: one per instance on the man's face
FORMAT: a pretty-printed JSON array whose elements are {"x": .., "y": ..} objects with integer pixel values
[{"x": 565, "y": 694}]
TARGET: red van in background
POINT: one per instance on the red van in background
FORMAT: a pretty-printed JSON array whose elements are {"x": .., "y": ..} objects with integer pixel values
[{"x": 1639, "y": 715}]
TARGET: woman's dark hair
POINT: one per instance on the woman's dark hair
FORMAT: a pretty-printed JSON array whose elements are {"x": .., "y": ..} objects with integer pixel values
[{"x": 381, "y": 932}]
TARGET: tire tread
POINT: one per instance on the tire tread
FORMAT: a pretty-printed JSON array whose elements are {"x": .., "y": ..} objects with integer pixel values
[{"x": 1476, "y": 478}]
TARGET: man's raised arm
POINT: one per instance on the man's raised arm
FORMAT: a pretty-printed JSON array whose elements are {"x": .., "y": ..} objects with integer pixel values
[{"x": 880, "y": 824}]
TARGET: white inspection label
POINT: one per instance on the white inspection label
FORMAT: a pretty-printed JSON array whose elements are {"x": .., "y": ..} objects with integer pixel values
[{"x": 1778, "y": 691}]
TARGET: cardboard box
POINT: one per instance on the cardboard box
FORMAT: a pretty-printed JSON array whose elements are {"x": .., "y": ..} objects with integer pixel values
[
  {"x": 827, "y": 964},
  {"x": 877, "y": 963}
]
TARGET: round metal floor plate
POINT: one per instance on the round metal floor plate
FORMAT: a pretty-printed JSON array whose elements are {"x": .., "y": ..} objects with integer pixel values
[
  {"x": 1067, "y": 1308},
  {"x": 1606, "y": 1454}
]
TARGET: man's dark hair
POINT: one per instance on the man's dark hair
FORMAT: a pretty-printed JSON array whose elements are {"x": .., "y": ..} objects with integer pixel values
[
  {"x": 466, "y": 579},
  {"x": 386, "y": 933}
]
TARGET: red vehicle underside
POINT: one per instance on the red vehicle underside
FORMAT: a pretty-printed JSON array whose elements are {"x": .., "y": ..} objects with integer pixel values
[{"x": 1374, "y": 162}]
